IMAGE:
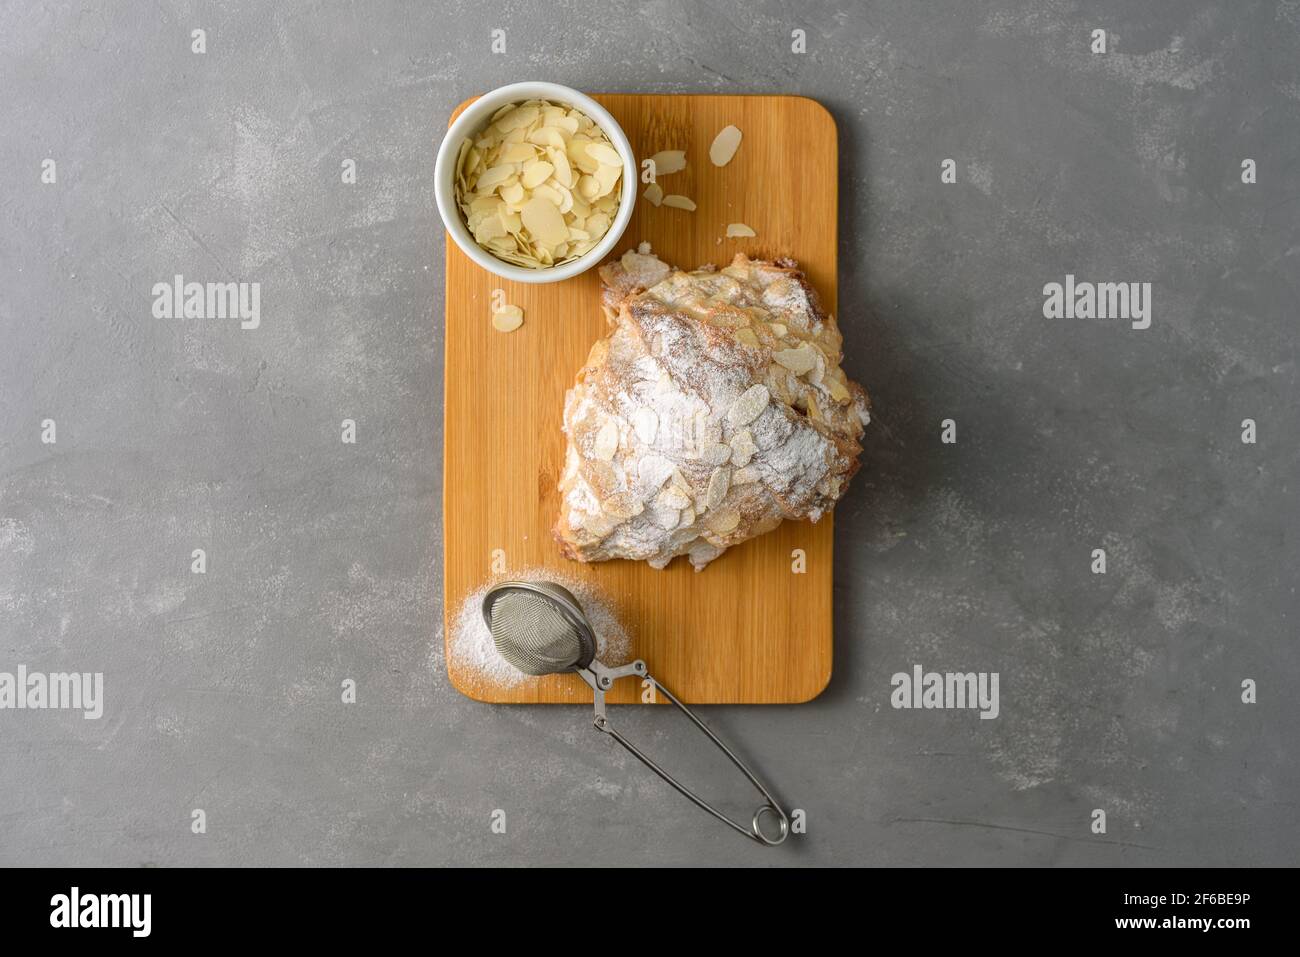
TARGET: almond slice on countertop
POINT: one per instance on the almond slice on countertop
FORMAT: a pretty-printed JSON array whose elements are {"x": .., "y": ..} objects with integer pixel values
[
  {"x": 679, "y": 202},
  {"x": 508, "y": 319},
  {"x": 654, "y": 193},
  {"x": 739, "y": 229},
  {"x": 724, "y": 146},
  {"x": 668, "y": 162}
]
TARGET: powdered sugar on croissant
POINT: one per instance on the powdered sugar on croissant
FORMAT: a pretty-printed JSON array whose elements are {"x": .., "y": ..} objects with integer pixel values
[{"x": 714, "y": 409}]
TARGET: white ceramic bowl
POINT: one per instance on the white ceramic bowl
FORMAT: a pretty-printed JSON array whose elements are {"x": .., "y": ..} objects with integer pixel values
[{"x": 476, "y": 117}]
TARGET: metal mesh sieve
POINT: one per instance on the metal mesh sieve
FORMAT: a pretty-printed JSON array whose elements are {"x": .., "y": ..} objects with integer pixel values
[{"x": 539, "y": 627}]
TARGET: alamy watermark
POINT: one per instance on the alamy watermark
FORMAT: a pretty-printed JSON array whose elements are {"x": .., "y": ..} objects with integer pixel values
[
  {"x": 1102, "y": 300},
  {"x": 61, "y": 691},
  {"x": 179, "y": 299},
  {"x": 949, "y": 690},
  {"x": 75, "y": 909}
]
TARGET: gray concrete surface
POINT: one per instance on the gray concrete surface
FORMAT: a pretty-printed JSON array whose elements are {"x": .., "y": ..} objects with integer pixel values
[{"x": 1120, "y": 692}]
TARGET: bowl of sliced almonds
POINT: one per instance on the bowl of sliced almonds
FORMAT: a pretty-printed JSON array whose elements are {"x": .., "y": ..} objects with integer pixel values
[{"x": 535, "y": 182}]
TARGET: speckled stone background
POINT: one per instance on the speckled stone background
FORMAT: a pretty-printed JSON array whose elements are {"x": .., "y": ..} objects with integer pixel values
[{"x": 1119, "y": 691}]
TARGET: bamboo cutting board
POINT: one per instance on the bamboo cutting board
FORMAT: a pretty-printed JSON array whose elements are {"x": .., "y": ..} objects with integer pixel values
[{"x": 749, "y": 628}]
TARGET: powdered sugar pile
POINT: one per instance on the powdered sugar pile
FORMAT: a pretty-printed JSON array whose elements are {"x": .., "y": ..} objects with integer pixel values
[{"x": 470, "y": 647}]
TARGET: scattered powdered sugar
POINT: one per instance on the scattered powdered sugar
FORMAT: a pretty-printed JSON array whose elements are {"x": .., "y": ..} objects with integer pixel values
[{"x": 470, "y": 647}]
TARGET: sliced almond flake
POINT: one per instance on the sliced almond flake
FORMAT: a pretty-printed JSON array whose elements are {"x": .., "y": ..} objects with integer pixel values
[
  {"x": 654, "y": 193},
  {"x": 608, "y": 177},
  {"x": 719, "y": 484},
  {"x": 716, "y": 454},
  {"x": 513, "y": 194},
  {"x": 622, "y": 505},
  {"x": 548, "y": 136},
  {"x": 542, "y": 218},
  {"x": 579, "y": 156},
  {"x": 723, "y": 521},
  {"x": 778, "y": 329},
  {"x": 678, "y": 202},
  {"x": 839, "y": 392},
  {"x": 606, "y": 443},
  {"x": 550, "y": 194},
  {"x": 566, "y": 123},
  {"x": 508, "y": 319},
  {"x": 744, "y": 476},
  {"x": 742, "y": 448},
  {"x": 749, "y": 406},
  {"x": 653, "y": 471},
  {"x": 747, "y": 337},
  {"x": 490, "y": 228},
  {"x": 673, "y": 497},
  {"x": 518, "y": 153},
  {"x": 535, "y": 173},
  {"x": 461, "y": 154},
  {"x": 493, "y": 176},
  {"x": 668, "y": 162},
  {"x": 605, "y": 155},
  {"x": 516, "y": 119},
  {"x": 799, "y": 360},
  {"x": 563, "y": 171},
  {"x": 666, "y": 518},
  {"x": 724, "y": 146},
  {"x": 735, "y": 230}
]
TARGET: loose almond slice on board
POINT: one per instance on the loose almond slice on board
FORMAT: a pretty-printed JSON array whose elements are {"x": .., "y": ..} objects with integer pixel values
[
  {"x": 508, "y": 319},
  {"x": 724, "y": 146},
  {"x": 669, "y": 161}
]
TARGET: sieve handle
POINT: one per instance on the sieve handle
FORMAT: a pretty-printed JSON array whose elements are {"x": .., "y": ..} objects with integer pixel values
[{"x": 601, "y": 679}]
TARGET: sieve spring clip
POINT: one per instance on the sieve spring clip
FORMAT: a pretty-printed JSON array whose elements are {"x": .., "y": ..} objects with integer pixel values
[{"x": 602, "y": 678}]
